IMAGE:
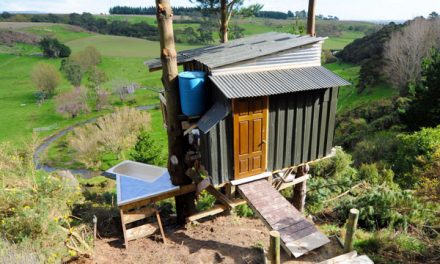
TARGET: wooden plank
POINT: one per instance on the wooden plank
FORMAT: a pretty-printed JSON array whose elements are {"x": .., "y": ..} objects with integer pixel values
[
  {"x": 162, "y": 232},
  {"x": 307, "y": 122},
  {"x": 124, "y": 228},
  {"x": 315, "y": 127},
  {"x": 291, "y": 233},
  {"x": 323, "y": 119},
  {"x": 294, "y": 182},
  {"x": 332, "y": 118},
  {"x": 306, "y": 244},
  {"x": 140, "y": 231},
  {"x": 340, "y": 258},
  {"x": 136, "y": 215},
  {"x": 217, "y": 209},
  {"x": 219, "y": 196},
  {"x": 299, "y": 128},
  {"x": 289, "y": 142}
]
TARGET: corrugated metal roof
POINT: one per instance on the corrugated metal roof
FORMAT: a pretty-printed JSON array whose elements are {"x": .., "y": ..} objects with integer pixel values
[
  {"x": 265, "y": 83},
  {"x": 240, "y": 49}
]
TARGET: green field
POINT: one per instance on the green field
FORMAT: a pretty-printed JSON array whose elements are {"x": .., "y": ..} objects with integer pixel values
[{"x": 348, "y": 95}]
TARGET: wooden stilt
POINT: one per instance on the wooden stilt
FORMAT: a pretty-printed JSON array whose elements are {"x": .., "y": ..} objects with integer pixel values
[
  {"x": 274, "y": 248},
  {"x": 351, "y": 230},
  {"x": 299, "y": 191},
  {"x": 124, "y": 230}
]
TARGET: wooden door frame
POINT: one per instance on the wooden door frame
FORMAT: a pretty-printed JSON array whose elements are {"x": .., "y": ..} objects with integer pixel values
[{"x": 237, "y": 136}]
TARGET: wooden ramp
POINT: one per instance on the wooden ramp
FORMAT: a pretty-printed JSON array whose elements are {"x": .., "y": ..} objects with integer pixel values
[{"x": 298, "y": 236}]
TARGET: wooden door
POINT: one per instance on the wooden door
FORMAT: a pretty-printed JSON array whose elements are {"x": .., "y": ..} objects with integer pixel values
[{"x": 250, "y": 136}]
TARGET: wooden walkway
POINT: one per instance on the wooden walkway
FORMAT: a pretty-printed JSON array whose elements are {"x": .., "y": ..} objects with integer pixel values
[{"x": 298, "y": 236}]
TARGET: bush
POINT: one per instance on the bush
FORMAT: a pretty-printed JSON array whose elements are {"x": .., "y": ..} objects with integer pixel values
[
  {"x": 52, "y": 48},
  {"x": 46, "y": 78},
  {"x": 413, "y": 152},
  {"x": 73, "y": 102},
  {"x": 147, "y": 151},
  {"x": 113, "y": 133},
  {"x": 102, "y": 99},
  {"x": 35, "y": 209},
  {"x": 73, "y": 71},
  {"x": 87, "y": 58}
]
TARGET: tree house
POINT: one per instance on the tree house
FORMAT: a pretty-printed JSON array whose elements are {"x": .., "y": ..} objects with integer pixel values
[{"x": 271, "y": 104}]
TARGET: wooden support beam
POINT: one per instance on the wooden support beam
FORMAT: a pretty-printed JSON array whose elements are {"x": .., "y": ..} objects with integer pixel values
[
  {"x": 299, "y": 191},
  {"x": 274, "y": 248},
  {"x": 295, "y": 181},
  {"x": 351, "y": 230},
  {"x": 217, "y": 209},
  {"x": 220, "y": 197}
]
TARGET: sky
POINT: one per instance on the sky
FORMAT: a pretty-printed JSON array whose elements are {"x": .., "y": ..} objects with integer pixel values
[{"x": 344, "y": 9}]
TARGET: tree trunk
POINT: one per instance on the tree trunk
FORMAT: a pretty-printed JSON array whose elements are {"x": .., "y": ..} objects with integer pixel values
[
  {"x": 299, "y": 191},
  {"x": 224, "y": 21},
  {"x": 176, "y": 142},
  {"x": 311, "y": 19}
]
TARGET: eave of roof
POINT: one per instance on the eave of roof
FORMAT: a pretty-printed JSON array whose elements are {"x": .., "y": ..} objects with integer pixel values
[{"x": 264, "y": 83}]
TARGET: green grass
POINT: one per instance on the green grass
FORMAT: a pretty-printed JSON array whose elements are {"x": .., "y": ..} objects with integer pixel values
[
  {"x": 338, "y": 43},
  {"x": 348, "y": 95},
  {"x": 62, "y": 32}
]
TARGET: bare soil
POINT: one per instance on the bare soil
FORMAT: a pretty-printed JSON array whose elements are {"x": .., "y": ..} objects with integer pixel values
[{"x": 223, "y": 239}]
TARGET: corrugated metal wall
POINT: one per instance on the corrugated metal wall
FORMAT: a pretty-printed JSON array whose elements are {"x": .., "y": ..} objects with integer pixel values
[{"x": 301, "y": 127}]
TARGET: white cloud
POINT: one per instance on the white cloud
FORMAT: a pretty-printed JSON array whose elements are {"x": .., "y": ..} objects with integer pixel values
[{"x": 345, "y": 9}]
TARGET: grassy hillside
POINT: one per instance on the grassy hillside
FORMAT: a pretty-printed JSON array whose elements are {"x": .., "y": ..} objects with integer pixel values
[{"x": 348, "y": 95}]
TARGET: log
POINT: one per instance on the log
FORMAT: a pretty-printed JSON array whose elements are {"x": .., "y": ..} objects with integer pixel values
[
  {"x": 351, "y": 230},
  {"x": 299, "y": 191},
  {"x": 177, "y": 144},
  {"x": 274, "y": 248},
  {"x": 311, "y": 19}
]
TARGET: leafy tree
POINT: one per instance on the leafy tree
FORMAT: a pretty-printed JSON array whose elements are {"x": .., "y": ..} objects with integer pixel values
[
  {"x": 52, "y": 48},
  {"x": 225, "y": 8},
  {"x": 96, "y": 78},
  {"x": 73, "y": 71},
  {"x": 46, "y": 78},
  {"x": 433, "y": 15},
  {"x": 73, "y": 102},
  {"x": 147, "y": 151},
  {"x": 424, "y": 108},
  {"x": 5, "y": 15},
  {"x": 252, "y": 10}
]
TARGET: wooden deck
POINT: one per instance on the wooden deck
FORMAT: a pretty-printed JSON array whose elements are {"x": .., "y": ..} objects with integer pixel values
[{"x": 298, "y": 236}]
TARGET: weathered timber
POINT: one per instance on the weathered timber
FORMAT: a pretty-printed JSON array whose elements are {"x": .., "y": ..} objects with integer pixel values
[
  {"x": 274, "y": 248},
  {"x": 351, "y": 229},
  {"x": 294, "y": 182},
  {"x": 177, "y": 144},
  {"x": 159, "y": 222},
  {"x": 217, "y": 209},
  {"x": 311, "y": 19},
  {"x": 299, "y": 191}
]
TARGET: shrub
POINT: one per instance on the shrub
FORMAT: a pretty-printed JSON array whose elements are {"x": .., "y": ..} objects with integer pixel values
[
  {"x": 414, "y": 151},
  {"x": 46, "y": 78},
  {"x": 96, "y": 78},
  {"x": 147, "y": 151},
  {"x": 205, "y": 201},
  {"x": 244, "y": 211},
  {"x": 111, "y": 133},
  {"x": 124, "y": 90},
  {"x": 87, "y": 58},
  {"x": 52, "y": 48},
  {"x": 369, "y": 173},
  {"x": 102, "y": 99},
  {"x": 73, "y": 71},
  {"x": 73, "y": 102},
  {"x": 35, "y": 209}
]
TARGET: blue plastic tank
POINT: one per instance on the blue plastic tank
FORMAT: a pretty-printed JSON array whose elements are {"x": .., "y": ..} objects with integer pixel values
[{"x": 192, "y": 92}]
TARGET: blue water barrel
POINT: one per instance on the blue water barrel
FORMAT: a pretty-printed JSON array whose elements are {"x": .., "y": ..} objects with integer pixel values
[{"x": 192, "y": 92}]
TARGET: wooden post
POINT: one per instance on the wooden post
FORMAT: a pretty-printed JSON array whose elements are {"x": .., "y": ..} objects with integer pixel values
[
  {"x": 299, "y": 191},
  {"x": 311, "y": 19},
  {"x": 274, "y": 248},
  {"x": 177, "y": 144},
  {"x": 223, "y": 21},
  {"x": 351, "y": 230}
]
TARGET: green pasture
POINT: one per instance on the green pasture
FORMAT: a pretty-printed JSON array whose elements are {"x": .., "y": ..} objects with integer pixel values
[{"x": 349, "y": 96}]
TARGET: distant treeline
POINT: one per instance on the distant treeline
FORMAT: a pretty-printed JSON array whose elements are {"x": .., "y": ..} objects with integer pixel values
[
  {"x": 127, "y": 10},
  {"x": 94, "y": 24}
]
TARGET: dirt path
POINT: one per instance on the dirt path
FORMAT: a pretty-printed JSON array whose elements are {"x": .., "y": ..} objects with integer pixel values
[{"x": 223, "y": 239}]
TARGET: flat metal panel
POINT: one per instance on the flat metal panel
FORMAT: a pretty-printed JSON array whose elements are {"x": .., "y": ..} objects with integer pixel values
[
  {"x": 332, "y": 116},
  {"x": 281, "y": 129},
  {"x": 307, "y": 123},
  {"x": 315, "y": 127},
  {"x": 300, "y": 105},
  {"x": 324, "y": 117},
  {"x": 290, "y": 118}
]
